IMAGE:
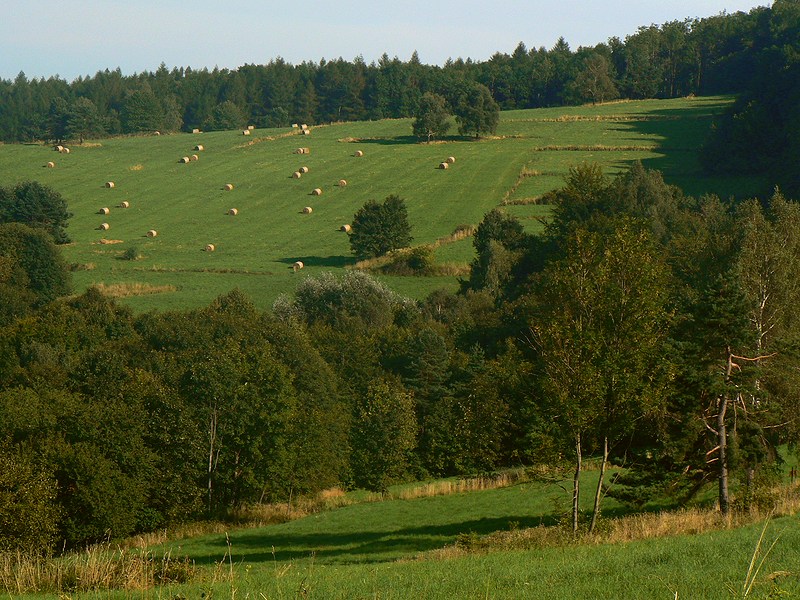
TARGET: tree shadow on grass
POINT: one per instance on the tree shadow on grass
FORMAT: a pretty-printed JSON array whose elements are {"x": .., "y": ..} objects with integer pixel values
[
  {"x": 334, "y": 262},
  {"x": 359, "y": 547},
  {"x": 412, "y": 139}
]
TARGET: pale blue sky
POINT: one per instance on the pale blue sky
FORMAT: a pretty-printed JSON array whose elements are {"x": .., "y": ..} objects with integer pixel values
[{"x": 80, "y": 37}]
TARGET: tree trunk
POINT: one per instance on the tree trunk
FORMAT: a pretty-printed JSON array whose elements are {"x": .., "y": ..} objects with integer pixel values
[
  {"x": 722, "y": 440},
  {"x": 576, "y": 483},
  {"x": 599, "y": 493},
  {"x": 212, "y": 439}
]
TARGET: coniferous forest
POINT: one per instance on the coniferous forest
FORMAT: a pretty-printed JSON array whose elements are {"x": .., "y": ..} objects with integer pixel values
[{"x": 643, "y": 328}]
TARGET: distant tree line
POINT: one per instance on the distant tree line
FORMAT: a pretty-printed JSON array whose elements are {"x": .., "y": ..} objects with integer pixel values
[
  {"x": 720, "y": 54},
  {"x": 644, "y": 328}
]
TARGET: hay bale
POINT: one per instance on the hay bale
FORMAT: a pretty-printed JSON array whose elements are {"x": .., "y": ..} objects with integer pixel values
[
  {"x": 251, "y": 127},
  {"x": 342, "y": 182},
  {"x": 358, "y": 154},
  {"x": 233, "y": 211},
  {"x": 156, "y": 133},
  {"x": 228, "y": 187},
  {"x": 104, "y": 226},
  {"x": 195, "y": 131},
  {"x": 210, "y": 247},
  {"x": 109, "y": 184},
  {"x": 297, "y": 266},
  {"x": 345, "y": 228},
  {"x": 184, "y": 160},
  {"x": 306, "y": 132},
  {"x": 444, "y": 165},
  {"x": 303, "y": 170},
  {"x": 294, "y": 126},
  {"x": 316, "y": 192},
  {"x": 308, "y": 210},
  {"x": 199, "y": 148},
  {"x": 50, "y": 164},
  {"x": 103, "y": 211},
  {"x": 124, "y": 204},
  {"x": 58, "y": 148},
  {"x": 194, "y": 157},
  {"x": 246, "y": 132},
  {"x": 152, "y": 233},
  {"x": 65, "y": 151},
  {"x": 450, "y": 159},
  {"x": 297, "y": 175},
  {"x": 304, "y": 126}
]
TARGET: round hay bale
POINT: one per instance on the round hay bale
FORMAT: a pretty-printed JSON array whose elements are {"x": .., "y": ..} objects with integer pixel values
[
  {"x": 300, "y": 151},
  {"x": 295, "y": 125},
  {"x": 342, "y": 182},
  {"x": 246, "y": 132},
  {"x": 233, "y": 211},
  {"x": 444, "y": 165},
  {"x": 316, "y": 192},
  {"x": 228, "y": 187},
  {"x": 195, "y": 130},
  {"x": 251, "y": 127},
  {"x": 306, "y": 132},
  {"x": 104, "y": 226},
  {"x": 51, "y": 164},
  {"x": 358, "y": 154},
  {"x": 184, "y": 160},
  {"x": 298, "y": 265},
  {"x": 450, "y": 159},
  {"x": 303, "y": 126},
  {"x": 210, "y": 247},
  {"x": 297, "y": 175},
  {"x": 303, "y": 170},
  {"x": 194, "y": 157},
  {"x": 103, "y": 211},
  {"x": 58, "y": 148},
  {"x": 152, "y": 233},
  {"x": 199, "y": 148},
  {"x": 156, "y": 133},
  {"x": 345, "y": 228},
  {"x": 308, "y": 210},
  {"x": 109, "y": 184},
  {"x": 124, "y": 204},
  {"x": 65, "y": 151}
]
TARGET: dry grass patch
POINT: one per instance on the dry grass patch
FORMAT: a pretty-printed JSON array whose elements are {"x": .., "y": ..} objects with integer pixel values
[
  {"x": 97, "y": 568},
  {"x": 136, "y": 167},
  {"x": 126, "y": 290}
]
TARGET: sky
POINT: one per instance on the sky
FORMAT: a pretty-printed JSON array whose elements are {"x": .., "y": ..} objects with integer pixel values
[{"x": 72, "y": 38}]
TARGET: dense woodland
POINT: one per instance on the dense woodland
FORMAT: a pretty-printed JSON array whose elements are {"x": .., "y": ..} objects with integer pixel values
[{"x": 643, "y": 328}]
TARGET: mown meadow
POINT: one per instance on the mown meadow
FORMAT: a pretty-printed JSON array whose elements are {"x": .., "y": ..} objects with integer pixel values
[
  {"x": 462, "y": 539},
  {"x": 188, "y": 205}
]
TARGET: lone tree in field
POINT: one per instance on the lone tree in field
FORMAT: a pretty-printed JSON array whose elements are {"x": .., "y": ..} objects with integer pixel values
[
  {"x": 432, "y": 117},
  {"x": 379, "y": 228},
  {"x": 477, "y": 112}
]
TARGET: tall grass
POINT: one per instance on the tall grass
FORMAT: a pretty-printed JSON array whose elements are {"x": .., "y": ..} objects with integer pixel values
[{"x": 97, "y": 568}]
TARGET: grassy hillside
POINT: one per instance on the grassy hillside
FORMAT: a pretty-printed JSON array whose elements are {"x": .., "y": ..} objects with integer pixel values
[
  {"x": 188, "y": 206},
  {"x": 432, "y": 547}
]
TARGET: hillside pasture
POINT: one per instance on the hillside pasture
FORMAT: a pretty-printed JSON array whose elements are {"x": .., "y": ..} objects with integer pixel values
[{"x": 189, "y": 207}]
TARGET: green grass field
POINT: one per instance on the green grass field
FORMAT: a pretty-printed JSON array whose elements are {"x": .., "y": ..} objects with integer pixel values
[
  {"x": 393, "y": 549},
  {"x": 187, "y": 205}
]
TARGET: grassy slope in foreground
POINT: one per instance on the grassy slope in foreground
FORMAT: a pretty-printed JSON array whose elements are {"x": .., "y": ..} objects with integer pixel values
[
  {"x": 383, "y": 550},
  {"x": 187, "y": 205}
]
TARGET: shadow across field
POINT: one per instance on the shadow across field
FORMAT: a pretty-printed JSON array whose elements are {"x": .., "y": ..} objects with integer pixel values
[
  {"x": 320, "y": 261},
  {"x": 681, "y": 134},
  {"x": 358, "y": 547}
]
